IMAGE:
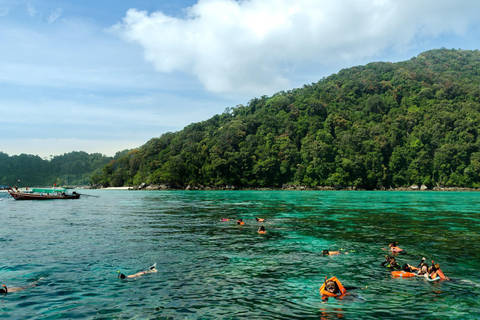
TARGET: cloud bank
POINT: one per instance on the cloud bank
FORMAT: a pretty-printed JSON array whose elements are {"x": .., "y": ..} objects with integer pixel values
[{"x": 255, "y": 46}]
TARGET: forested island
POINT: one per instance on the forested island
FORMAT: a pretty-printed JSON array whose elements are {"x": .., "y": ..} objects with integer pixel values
[
  {"x": 379, "y": 126},
  {"x": 69, "y": 169}
]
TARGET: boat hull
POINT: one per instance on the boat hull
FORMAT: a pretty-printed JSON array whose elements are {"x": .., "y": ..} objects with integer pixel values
[{"x": 36, "y": 196}]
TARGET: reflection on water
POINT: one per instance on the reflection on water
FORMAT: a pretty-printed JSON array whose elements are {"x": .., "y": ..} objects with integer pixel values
[{"x": 213, "y": 269}]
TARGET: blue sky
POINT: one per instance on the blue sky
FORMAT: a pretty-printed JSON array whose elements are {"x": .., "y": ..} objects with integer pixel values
[{"x": 103, "y": 76}]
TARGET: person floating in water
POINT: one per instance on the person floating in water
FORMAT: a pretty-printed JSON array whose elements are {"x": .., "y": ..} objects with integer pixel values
[
  {"x": 261, "y": 219},
  {"x": 138, "y": 274},
  {"x": 328, "y": 253},
  {"x": 4, "y": 290},
  {"x": 409, "y": 268},
  {"x": 423, "y": 269},
  {"x": 240, "y": 222},
  {"x": 434, "y": 272},
  {"x": 262, "y": 230},
  {"x": 391, "y": 263},
  {"x": 224, "y": 219},
  {"x": 334, "y": 288},
  {"x": 393, "y": 246}
]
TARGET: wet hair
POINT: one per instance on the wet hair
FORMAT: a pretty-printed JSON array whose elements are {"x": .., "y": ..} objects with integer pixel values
[
  {"x": 406, "y": 267},
  {"x": 434, "y": 268},
  {"x": 4, "y": 290},
  {"x": 121, "y": 276},
  {"x": 391, "y": 259},
  {"x": 262, "y": 228},
  {"x": 325, "y": 253}
]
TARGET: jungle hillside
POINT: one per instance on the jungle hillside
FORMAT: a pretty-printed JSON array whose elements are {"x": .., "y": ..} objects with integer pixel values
[
  {"x": 378, "y": 126},
  {"x": 70, "y": 169}
]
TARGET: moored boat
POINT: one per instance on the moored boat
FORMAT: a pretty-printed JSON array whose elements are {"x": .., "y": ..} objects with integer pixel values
[{"x": 42, "y": 194}]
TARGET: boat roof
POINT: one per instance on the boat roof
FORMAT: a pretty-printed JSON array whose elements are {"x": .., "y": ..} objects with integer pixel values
[{"x": 48, "y": 190}]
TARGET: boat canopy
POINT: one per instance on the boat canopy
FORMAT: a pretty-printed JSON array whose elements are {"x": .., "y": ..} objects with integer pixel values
[{"x": 43, "y": 190}]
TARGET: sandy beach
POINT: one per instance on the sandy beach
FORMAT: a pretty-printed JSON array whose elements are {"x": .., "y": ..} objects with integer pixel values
[{"x": 117, "y": 188}]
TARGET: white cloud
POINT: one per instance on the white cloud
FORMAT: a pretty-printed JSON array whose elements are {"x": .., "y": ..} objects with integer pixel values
[
  {"x": 255, "y": 46},
  {"x": 31, "y": 10},
  {"x": 54, "y": 16}
]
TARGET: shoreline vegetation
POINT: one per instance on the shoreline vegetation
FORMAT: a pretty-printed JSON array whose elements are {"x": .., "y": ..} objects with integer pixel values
[{"x": 146, "y": 187}]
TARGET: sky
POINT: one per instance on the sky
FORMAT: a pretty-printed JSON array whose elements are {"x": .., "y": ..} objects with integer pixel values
[{"x": 108, "y": 75}]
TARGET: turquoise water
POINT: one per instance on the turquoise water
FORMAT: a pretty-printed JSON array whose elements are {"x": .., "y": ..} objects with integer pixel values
[{"x": 212, "y": 270}]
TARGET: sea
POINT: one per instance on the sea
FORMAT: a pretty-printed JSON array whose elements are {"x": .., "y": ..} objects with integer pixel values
[{"x": 212, "y": 269}]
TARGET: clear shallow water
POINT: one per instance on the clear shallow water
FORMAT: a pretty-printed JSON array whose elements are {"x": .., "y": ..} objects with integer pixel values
[{"x": 210, "y": 269}]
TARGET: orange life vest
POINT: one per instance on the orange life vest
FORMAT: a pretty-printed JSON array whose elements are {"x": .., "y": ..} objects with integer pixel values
[
  {"x": 324, "y": 292},
  {"x": 262, "y": 232}
]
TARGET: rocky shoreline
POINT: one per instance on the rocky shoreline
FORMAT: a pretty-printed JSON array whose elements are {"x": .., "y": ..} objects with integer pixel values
[{"x": 285, "y": 187}]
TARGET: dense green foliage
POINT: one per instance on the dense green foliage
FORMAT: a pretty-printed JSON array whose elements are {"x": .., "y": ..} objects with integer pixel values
[
  {"x": 75, "y": 169},
  {"x": 376, "y": 126}
]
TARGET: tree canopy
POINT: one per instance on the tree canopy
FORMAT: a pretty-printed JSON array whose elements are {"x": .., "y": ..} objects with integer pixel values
[
  {"x": 376, "y": 126},
  {"x": 74, "y": 169}
]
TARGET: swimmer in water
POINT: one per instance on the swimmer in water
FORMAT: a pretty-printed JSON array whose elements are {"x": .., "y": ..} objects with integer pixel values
[
  {"x": 138, "y": 274},
  {"x": 328, "y": 253},
  {"x": 409, "y": 268},
  {"x": 334, "y": 288},
  {"x": 391, "y": 263},
  {"x": 240, "y": 222},
  {"x": 423, "y": 270},
  {"x": 393, "y": 246},
  {"x": 224, "y": 219},
  {"x": 262, "y": 230},
  {"x": 261, "y": 219},
  {"x": 434, "y": 272},
  {"x": 4, "y": 290}
]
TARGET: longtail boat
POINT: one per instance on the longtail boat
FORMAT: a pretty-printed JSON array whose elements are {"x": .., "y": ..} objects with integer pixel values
[{"x": 42, "y": 194}]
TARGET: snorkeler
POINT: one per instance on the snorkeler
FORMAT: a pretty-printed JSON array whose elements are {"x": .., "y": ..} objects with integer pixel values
[
  {"x": 434, "y": 272},
  {"x": 261, "y": 219},
  {"x": 423, "y": 270},
  {"x": 240, "y": 222},
  {"x": 333, "y": 288},
  {"x": 138, "y": 274},
  {"x": 6, "y": 290},
  {"x": 409, "y": 268},
  {"x": 391, "y": 263},
  {"x": 262, "y": 230},
  {"x": 328, "y": 253},
  {"x": 393, "y": 246}
]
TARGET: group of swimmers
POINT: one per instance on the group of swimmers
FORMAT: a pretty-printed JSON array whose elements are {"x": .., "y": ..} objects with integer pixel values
[
  {"x": 333, "y": 287},
  {"x": 240, "y": 222},
  {"x": 432, "y": 272}
]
